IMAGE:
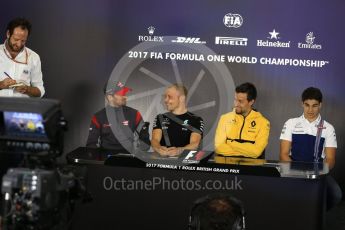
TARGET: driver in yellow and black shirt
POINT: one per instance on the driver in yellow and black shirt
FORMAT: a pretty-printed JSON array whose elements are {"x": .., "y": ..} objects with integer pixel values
[{"x": 242, "y": 132}]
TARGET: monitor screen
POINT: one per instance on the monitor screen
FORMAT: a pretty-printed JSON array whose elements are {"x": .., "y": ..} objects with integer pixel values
[{"x": 23, "y": 124}]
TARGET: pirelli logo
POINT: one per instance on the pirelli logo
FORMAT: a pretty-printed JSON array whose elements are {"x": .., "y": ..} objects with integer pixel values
[{"x": 231, "y": 41}]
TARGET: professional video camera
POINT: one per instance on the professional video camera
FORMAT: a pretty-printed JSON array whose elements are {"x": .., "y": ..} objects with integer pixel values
[{"x": 40, "y": 193}]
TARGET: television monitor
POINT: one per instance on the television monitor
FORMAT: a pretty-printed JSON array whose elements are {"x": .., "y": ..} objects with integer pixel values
[{"x": 31, "y": 125}]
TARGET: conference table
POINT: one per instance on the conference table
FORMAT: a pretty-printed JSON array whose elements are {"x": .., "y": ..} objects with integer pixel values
[{"x": 148, "y": 191}]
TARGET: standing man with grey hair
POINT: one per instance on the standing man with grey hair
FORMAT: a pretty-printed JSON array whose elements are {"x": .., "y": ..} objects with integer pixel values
[
  {"x": 177, "y": 129},
  {"x": 20, "y": 67}
]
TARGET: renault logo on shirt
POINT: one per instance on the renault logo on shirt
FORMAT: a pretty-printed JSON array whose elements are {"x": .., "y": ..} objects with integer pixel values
[
  {"x": 253, "y": 124},
  {"x": 232, "y": 121}
]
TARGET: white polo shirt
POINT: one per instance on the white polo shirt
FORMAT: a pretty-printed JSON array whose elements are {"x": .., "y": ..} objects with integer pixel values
[
  {"x": 302, "y": 135},
  {"x": 30, "y": 73}
]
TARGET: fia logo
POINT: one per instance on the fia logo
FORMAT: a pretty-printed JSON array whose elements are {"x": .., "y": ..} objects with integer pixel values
[{"x": 233, "y": 20}]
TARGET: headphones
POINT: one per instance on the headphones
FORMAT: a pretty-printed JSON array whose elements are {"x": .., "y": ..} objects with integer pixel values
[{"x": 194, "y": 219}]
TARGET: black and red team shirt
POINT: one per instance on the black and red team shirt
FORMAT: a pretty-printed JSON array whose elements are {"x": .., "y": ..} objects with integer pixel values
[{"x": 125, "y": 121}]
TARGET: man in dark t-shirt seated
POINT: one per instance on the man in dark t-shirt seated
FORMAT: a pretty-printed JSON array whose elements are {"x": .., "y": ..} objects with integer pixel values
[{"x": 177, "y": 129}]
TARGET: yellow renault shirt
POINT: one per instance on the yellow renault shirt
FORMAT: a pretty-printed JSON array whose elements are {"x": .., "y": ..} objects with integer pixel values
[{"x": 237, "y": 135}]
